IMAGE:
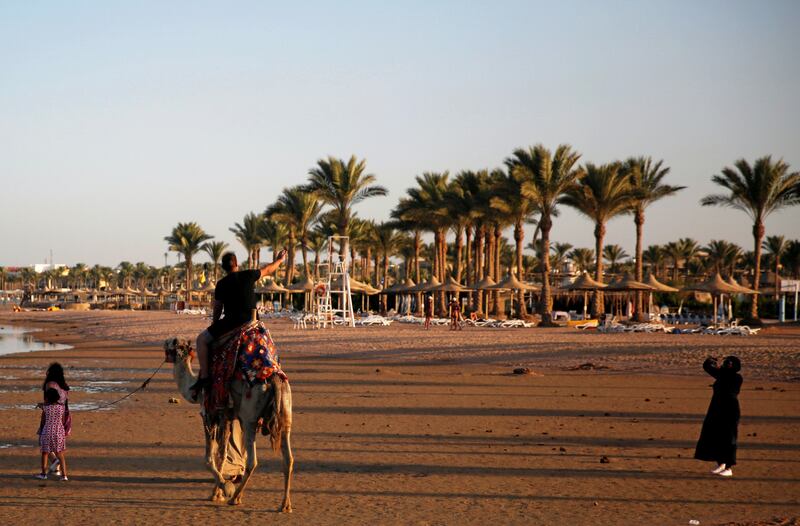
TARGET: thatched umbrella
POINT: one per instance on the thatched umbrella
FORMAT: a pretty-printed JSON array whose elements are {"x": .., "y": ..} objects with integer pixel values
[
  {"x": 451, "y": 285},
  {"x": 304, "y": 286},
  {"x": 658, "y": 286},
  {"x": 716, "y": 286},
  {"x": 512, "y": 284},
  {"x": 584, "y": 283},
  {"x": 426, "y": 286},
  {"x": 627, "y": 284},
  {"x": 271, "y": 288},
  {"x": 405, "y": 290},
  {"x": 483, "y": 285}
]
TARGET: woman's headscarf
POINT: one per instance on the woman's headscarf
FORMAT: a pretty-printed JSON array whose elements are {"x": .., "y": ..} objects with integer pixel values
[{"x": 734, "y": 362}]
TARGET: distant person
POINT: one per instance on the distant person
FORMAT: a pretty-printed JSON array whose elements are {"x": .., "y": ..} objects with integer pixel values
[
  {"x": 54, "y": 379},
  {"x": 720, "y": 428},
  {"x": 455, "y": 314},
  {"x": 428, "y": 310},
  {"x": 235, "y": 298},
  {"x": 52, "y": 435}
]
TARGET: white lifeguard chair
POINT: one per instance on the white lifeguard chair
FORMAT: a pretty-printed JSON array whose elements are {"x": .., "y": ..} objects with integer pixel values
[{"x": 333, "y": 283}]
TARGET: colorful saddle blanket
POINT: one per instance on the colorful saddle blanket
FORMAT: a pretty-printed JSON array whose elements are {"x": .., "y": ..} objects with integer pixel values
[{"x": 247, "y": 353}]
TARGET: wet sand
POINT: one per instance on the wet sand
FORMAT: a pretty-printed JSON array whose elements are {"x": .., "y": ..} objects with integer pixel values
[{"x": 397, "y": 425}]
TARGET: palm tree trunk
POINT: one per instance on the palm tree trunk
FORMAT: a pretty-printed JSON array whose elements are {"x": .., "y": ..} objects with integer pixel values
[
  {"x": 519, "y": 238},
  {"x": 758, "y": 235},
  {"x": 545, "y": 224},
  {"x": 304, "y": 249},
  {"x": 478, "y": 266},
  {"x": 290, "y": 258},
  {"x": 599, "y": 236},
  {"x": 638, "y": 219},
  {"x": 385, "y": 280},
  {"x": 367, "y": 274},
  {"x": 459, "y": 252},
  {"x": 468, "y": 270},
  {"x": 188, "y": 258},
  {"x": 498, "y": 233}
]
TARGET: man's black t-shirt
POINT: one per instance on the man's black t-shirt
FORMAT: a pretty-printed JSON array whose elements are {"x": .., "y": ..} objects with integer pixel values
[{"x": 237, "y": 295}]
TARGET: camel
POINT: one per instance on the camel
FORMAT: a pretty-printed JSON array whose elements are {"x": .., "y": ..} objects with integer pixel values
[{"x": 268, "y": 406}]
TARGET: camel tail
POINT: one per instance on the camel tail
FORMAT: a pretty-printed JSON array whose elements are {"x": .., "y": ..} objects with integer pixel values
[{"x": 277, "y": 413}]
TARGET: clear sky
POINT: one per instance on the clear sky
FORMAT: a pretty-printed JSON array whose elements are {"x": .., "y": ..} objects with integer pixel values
[{"x": 120, "y": 119}]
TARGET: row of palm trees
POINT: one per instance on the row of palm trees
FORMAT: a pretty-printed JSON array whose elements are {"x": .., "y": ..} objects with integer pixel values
[{"x": 474, "y": 208}]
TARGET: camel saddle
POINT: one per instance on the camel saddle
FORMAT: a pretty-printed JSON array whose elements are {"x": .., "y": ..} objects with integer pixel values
[{"x": 246, "y": 353}]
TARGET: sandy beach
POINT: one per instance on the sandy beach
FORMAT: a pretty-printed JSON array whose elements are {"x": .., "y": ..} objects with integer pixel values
[{"x": 397, "y": 425}]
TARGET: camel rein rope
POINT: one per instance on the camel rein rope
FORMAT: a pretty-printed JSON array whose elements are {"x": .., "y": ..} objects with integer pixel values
[{"x": 141, "y": 387}]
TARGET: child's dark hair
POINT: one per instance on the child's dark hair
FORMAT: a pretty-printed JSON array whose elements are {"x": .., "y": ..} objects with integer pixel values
[
  {"x": 55, "y": 373},
  {"x": 51, "y": 396}
]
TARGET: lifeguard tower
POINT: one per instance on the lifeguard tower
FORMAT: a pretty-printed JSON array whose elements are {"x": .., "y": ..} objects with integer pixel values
[{"x": 332, "y": 295}]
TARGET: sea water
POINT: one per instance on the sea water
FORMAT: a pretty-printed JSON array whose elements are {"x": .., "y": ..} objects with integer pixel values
[{"x": 20, "y": 339}]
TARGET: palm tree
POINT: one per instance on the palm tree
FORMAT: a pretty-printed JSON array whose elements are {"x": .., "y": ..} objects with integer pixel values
[
  {"x": 387, "y": 241},
  {"x": 776, "y": 247},
  {"x": 645, "y": 179},
  {"x": 547, "y": 177},
  {"x": 603, "y": 193},
  {"x": 517, "y": 208},
  {"x": 582, "y": 258},
  {"x": 342, "y": 185},
  {"x": 559, "y": 256},
  {"x": 125, "y": 273},
  {"x": 758, "y": 191},
  {"x": 653, "y": 256},
  {"x": 215, "y": 250},
  {"x": 614, "y": 253},
  {"x": 187, "y": 239},
  {"x": 298, "y": 210},
  {"x": 721, "y": 256},
  {"x": 791, "y": 260},
  {"x": 248, "y": 233},
  {"x": 426, "y": 206},
  {"x": 140, "y": 273}
]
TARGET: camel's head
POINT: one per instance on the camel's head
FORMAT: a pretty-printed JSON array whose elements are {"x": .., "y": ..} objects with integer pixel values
[{"x": 177, "y": 349}]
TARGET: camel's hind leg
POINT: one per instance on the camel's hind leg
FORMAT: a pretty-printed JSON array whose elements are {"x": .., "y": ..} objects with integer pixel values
[
  {"x": 249, "y": 429},
  {"x": 288, "y": 469}
]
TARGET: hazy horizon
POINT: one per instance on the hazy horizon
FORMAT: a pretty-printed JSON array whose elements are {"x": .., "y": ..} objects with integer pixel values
[{"x": 119, "y": 121}]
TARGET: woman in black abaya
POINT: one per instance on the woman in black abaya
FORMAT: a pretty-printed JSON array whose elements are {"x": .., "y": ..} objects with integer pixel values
[{"x": 718, "y": 437}]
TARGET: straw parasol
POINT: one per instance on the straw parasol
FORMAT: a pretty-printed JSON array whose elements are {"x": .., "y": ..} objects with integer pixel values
[
  {"x": 742, "y": 288},
  {"x": 510, "y": 282},
  {"x": 426, "y": 286},
  {"x": 304, "y": 285},
  {"x": 584, "y": 283},
  {"x": 627, "y": 284},
  {"x": 717, "y": 286},
  {"x": 658, "y": 286},
  {"x": 270, "y": 287},
  {"x": 451, "y": 285},
  {"x": 486, "y": 283}
]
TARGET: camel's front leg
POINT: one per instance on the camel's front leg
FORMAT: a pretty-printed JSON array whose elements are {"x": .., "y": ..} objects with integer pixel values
[
  {"x": 249, "y": 429},
  {"x": 288, "y": 469},
  {"x": 212, "y": 450}
]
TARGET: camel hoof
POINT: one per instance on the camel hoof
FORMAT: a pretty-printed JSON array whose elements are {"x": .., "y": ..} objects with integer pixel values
[
  {"x": 230, "y": 489},
  {"x": 217, "y": 496},
  {"x": 236, "y": 501},
  {"x": 286, "y": 509}
]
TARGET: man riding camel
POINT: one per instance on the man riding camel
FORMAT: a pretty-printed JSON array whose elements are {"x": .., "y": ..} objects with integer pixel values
[{"x": 234, "y": 296}]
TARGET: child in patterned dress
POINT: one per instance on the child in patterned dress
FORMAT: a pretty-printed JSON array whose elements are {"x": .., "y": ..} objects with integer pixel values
[{"x": 52, "y": 438}]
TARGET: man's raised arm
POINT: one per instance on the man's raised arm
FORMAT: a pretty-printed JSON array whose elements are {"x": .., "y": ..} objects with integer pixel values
[{"x": 272, "y": 267}]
